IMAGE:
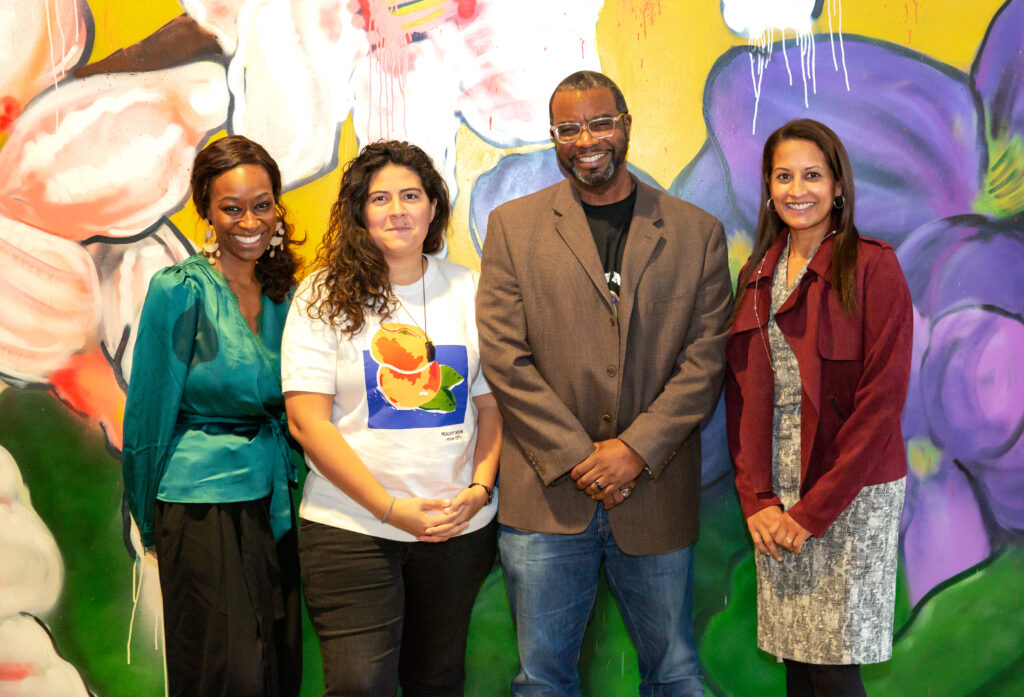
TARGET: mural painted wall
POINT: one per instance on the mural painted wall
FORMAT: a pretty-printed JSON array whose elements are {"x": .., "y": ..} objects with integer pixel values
[{"x": 103, "y": 104}]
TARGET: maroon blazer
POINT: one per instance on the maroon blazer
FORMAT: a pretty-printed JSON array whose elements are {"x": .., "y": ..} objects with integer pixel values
[{"x": 854, "y": 370}]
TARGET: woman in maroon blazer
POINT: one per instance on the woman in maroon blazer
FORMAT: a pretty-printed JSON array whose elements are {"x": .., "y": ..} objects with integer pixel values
[{"x": 818, "y": 366}]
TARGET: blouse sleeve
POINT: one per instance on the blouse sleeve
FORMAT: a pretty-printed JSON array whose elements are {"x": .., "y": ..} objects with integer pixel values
[{"x": 160, "y": 363}]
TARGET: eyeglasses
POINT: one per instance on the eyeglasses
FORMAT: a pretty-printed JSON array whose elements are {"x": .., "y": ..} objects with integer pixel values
[{"x": 599, "y": 128}]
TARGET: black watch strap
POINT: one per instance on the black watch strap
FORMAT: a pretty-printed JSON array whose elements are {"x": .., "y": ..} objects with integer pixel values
[{"x": 489, "y": 490}]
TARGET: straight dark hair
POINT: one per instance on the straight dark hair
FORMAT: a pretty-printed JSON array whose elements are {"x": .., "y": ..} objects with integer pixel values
[{"x": 769, "y": 224}]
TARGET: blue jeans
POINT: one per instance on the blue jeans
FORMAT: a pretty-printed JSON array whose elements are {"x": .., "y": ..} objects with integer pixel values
[{"x": 552, "y": 584}]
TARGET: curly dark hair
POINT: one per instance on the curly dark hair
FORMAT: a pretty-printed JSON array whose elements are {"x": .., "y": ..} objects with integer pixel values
[
  {"x": 769, "y": 224},
  {"x": 275, "y": 273},
  {"x": 353, "y": 272}
]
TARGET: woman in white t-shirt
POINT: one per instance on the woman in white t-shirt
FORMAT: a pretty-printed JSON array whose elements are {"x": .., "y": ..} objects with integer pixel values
[{"x": 382, "y": 382}]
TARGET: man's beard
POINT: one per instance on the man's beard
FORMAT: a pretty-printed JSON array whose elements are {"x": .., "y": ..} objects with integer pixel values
[{"x": 597, "y": 177}]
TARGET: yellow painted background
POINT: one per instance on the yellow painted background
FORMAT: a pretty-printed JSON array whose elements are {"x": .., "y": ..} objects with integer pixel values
[{"x": 659, "y": 52}]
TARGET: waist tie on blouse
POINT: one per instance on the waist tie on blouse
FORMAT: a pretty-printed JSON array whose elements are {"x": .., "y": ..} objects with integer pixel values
[{"x": 284, "y": 471}]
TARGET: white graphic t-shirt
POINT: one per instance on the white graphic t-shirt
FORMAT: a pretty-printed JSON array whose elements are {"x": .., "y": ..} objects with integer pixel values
[{"x": 410, "y": 419}]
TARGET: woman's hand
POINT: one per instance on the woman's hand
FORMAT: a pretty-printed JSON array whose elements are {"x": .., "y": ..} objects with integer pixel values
[
  {"x": 466, "y": 505},
  {"x": 788, "y": 534},
  {"x": 761, "y": 525},
  {"x": 417, "y": 516}
]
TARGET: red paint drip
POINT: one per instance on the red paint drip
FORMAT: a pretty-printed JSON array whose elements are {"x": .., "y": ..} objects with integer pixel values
[{"x": 646, "y": 11}]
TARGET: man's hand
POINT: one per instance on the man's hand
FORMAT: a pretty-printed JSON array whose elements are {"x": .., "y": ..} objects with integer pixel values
[{"x": 608, "y": 472}]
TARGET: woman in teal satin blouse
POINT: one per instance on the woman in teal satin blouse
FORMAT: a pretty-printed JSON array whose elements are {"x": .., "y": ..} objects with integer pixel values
[{"x": 207, "y": 463}]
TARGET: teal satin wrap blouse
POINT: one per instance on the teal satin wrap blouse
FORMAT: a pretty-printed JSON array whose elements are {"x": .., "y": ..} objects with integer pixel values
[{"x": 204, "y": 419}]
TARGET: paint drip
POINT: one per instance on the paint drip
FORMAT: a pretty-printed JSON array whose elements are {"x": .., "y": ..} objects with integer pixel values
[{"x": 761, "y": 21}]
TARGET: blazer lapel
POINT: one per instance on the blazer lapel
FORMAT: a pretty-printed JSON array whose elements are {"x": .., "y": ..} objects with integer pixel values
[
  {"x": 571, "y": 224},
  {"x": 644, "y": 235}
]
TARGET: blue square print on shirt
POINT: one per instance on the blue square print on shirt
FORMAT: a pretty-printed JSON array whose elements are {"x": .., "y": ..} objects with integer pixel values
[{"x": 385, "y": 414}]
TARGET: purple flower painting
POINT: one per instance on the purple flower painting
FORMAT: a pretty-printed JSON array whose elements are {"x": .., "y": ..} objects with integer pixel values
[{"x": 938, "y": 159}]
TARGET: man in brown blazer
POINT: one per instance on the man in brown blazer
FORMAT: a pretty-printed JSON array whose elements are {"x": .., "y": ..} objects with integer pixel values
[{"x": 602, "y": 310}]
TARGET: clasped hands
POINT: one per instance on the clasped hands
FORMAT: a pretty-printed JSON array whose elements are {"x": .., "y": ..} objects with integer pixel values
[
  {"x": 437, "y": 520},
  {"x": 609, "y": 473},
  {"x": 772, "y": 529}
]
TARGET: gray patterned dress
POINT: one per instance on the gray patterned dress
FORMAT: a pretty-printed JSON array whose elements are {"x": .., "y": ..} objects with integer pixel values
[{"x": 833, "y": 603}]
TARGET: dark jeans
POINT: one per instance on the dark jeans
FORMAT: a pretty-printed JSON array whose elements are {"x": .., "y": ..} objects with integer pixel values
[
  {"x": 389, "y": 612},
  {"x": 811, "y": 680}
]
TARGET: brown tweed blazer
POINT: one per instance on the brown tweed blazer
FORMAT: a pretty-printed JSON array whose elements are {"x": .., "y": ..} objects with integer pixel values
[{"x": 567, "y": 371}]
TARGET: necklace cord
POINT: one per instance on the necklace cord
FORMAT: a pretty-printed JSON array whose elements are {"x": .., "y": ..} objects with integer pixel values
[{"x": 431, "y": 351}]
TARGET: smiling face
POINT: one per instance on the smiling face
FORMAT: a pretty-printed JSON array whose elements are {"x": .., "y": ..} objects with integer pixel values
[
  {"x": 803, "y": 188},
  {"x": 243, "y": 213},
  {"x": 398, "y": 213},
  {"x": 597, "y": 165}
]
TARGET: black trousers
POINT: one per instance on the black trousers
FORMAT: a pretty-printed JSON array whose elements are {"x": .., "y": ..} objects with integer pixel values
[
  {"x": 231, "y": 601},
  {"x": 390, "y": 613},
  {"x": 812, "y": 680}
]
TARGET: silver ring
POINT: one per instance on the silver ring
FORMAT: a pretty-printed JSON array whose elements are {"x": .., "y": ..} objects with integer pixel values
[
  {"x": 625, "y": 491},
  {"x": 599, "y": 485}
]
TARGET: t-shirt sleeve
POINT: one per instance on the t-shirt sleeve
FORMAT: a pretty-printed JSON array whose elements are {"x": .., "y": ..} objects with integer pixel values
[{"x": 309, "y": 348}]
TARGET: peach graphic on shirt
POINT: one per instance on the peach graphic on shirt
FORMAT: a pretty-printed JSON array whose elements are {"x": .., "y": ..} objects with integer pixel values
[
  {"x": 407, "y": 377},
  {"x": 410, "y": 390},
  {"x": 401, "y": 347}
]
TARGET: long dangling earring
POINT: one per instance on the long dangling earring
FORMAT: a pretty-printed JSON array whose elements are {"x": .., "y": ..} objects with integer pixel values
[
  {"x": 770, "y": 205},
  {"x": 211, "y": 249},
  {"x": 838, "y": 202},
  {"x": 278, "y": 239}
]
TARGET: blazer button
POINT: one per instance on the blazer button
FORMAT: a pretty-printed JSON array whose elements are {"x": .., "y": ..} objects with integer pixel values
[
  {"x": 611, "y": 371},
  {"x": 607, "y": 418}
]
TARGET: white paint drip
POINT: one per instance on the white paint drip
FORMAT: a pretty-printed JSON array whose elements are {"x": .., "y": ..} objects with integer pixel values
[
  {"x": 136, "y": 592},
  {"x": 53, "y": 65},
  {"x": 760, "y": 20}
]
